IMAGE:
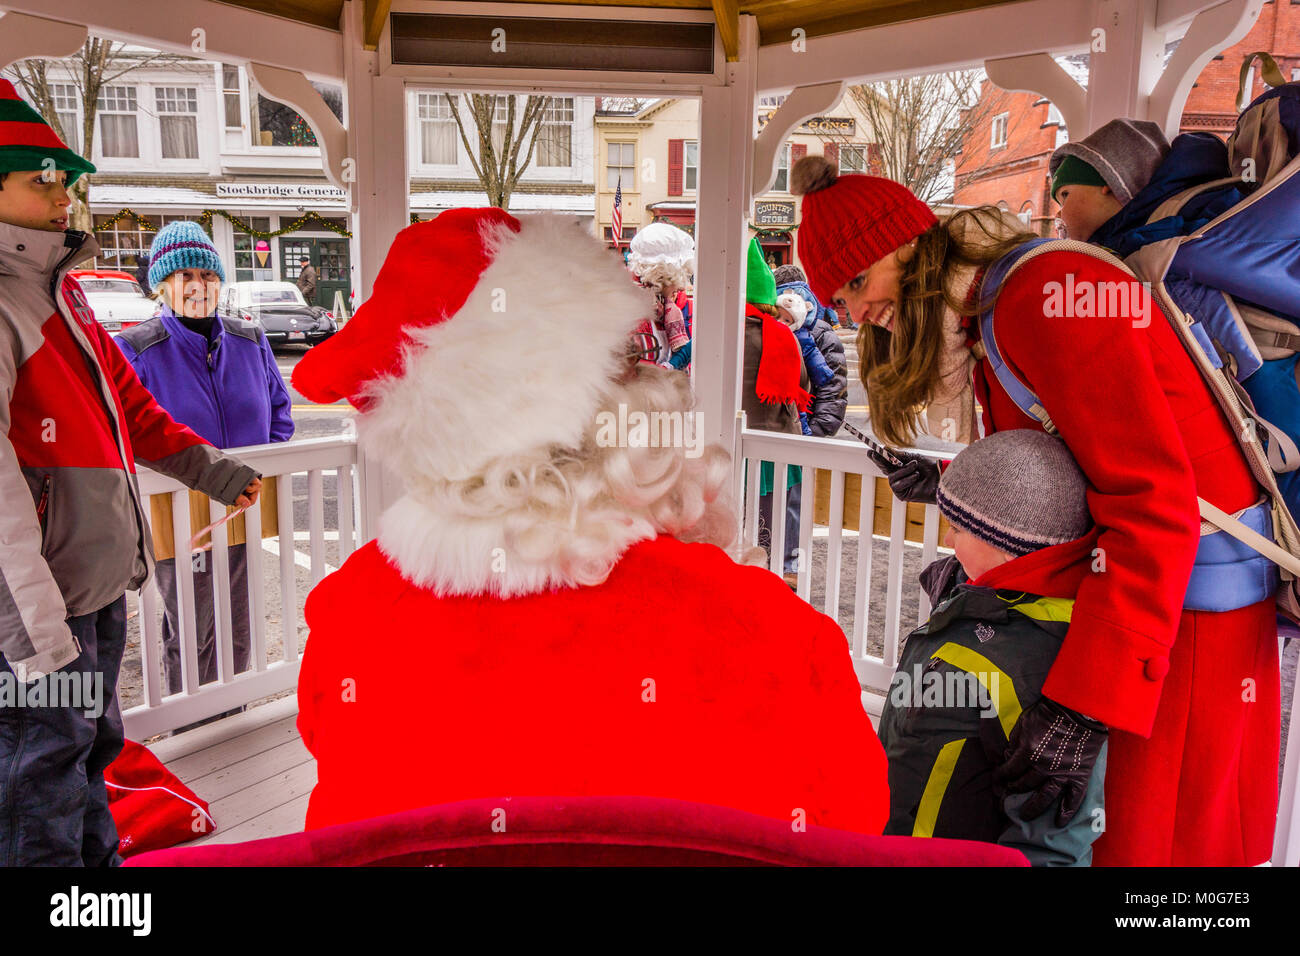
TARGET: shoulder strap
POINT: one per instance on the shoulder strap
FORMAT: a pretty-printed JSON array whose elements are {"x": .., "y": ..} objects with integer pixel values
[
  {"x": 995, "y": 278},
  {"x": 1024, "y": 397}
]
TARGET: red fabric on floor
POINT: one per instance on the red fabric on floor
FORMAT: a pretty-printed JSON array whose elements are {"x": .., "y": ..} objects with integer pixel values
[{"x": 150, "y": 805}]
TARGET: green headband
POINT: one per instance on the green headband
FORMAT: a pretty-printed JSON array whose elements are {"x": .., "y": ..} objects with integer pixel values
[{"x": 1075, "y": 172}]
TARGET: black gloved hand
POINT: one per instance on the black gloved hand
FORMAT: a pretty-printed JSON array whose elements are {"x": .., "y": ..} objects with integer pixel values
[
  {"x": 917, "y": 479},
  {"x": 1052, "y": 751}
]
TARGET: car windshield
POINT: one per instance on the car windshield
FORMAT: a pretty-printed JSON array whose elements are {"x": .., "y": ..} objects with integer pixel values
[
  {"x": 119, "y": 286},
  {"x": 271, "y": 296}
]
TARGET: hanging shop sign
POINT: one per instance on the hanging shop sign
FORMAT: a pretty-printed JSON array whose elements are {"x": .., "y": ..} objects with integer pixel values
[
  {"x": 279, "y": 191},
  {"x": 819, "y": 125},
  {"x": 774, "y": 213}
]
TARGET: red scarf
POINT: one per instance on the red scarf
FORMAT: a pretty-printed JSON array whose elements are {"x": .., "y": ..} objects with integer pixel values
[{"x": 779, "y": 365}]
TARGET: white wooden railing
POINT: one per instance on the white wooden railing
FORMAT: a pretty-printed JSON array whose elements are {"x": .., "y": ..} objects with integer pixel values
[
  {"x": 315, "y": 458},
  {"x": 841, "y": 459},
  {"x": 267, "y": 674},
  {"x": 875, "y": 670}
]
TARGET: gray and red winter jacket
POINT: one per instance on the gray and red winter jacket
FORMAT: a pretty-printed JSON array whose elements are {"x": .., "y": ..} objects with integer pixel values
[{"x": 73, "y": 418}]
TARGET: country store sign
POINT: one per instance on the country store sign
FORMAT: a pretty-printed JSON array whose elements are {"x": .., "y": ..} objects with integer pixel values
[{"x": 279, "y": 191}]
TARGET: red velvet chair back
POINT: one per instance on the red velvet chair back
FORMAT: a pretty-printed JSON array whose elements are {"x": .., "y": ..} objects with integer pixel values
[{"x": 582, "y": 831}]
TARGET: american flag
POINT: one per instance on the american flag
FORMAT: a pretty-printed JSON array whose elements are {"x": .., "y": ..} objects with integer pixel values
[{"x": 616, "y": 231}]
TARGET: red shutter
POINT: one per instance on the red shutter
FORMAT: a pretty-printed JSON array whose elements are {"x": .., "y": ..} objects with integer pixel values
[
  {"x": 676, "y": 155},
  {"x": 832, "y": 154},
  {"x": 875, "y": 164},
  {"x": 797, "y": 152}
]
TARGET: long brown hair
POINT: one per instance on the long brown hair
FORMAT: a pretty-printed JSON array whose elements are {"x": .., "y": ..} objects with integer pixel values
[{"x": 901, "y": 369}]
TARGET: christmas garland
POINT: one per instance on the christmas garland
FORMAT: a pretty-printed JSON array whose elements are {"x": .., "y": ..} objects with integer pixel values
[
  {"x": 765, "y": 232},
  {"x": 205, "y": 220},
  {"x": 125, "y": 213}
]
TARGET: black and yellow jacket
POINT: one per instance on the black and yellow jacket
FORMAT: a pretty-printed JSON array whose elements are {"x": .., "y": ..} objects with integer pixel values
[{"x": 963, "y": 680}]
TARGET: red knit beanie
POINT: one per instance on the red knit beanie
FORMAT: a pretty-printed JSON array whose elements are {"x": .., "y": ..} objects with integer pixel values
[{"x": 850, "y": 222}]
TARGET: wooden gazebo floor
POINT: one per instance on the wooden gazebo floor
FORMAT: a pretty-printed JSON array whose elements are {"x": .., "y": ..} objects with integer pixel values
[{"x": 251, "y": 768}]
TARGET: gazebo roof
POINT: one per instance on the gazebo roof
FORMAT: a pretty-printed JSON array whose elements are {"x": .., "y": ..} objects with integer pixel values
[{"x": 776, "y": 18}]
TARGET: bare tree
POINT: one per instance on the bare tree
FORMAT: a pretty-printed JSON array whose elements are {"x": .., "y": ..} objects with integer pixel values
[
  {"x": 98, "y": 63},
  {"x": 498, "y": 154},
  {"x": 919, "y": 123}
]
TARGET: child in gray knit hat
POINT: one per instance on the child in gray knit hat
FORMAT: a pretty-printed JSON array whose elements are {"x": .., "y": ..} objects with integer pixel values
[{"x": 1019, "y": 524}]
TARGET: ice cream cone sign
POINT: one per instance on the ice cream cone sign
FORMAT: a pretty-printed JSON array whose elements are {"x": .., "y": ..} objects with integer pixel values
[{"x": 263, "y": 252}]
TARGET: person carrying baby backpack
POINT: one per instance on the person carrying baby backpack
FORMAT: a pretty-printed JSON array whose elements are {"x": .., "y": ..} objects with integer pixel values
[
  {"x": 1192, "y": 774},
  {"x": 1018, "y": 521},
  {"x": 218, "y": 376}
]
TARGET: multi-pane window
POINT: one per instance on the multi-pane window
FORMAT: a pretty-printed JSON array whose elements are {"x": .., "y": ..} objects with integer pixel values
[
  {"x": 782, "y": 182},
  {"x": 253, "y": 260},
  {"x": 999, "y": 130},
  {"x": 124, "y": 244},
  {"x": 119, "y": 134},
  {"x": 621, "y": 162},
  {"x": 437, "y": 130},
  {"x": 67, "y": 106},
  {"x": 853, "y": 159},
  {"x": 230, "y": 97},
  {"x": 555, "y": 134},
  {"x": 501, "y": 122},
  {"x": 771, "y": 100},
  {"x": 691, "y": 165},
  {"x": 178, "y": 121}
]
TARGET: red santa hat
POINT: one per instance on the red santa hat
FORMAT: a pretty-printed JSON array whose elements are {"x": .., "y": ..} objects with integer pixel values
[{"x": 485, "y": 336}]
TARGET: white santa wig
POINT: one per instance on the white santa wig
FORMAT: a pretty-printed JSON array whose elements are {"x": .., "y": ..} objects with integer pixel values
[
  {"x": 662, "y": 257},
  {"x": 563, "y": 516}
]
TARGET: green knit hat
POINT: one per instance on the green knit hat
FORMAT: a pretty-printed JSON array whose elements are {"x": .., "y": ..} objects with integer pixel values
[
  {"x": 1075, "y": 172},
  {"x": 28, "y": 141},
  {"x": 760, "y": 287}
]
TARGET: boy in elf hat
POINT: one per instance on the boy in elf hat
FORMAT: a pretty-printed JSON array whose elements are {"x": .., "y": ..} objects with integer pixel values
[
  {"x": 1019, "y": 523},
  {"x": 773, "y": 394},
  {"x": 73, "y": 538}
]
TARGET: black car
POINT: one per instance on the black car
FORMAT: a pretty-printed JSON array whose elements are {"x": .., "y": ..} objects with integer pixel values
[{"x": 281, "y": 311}]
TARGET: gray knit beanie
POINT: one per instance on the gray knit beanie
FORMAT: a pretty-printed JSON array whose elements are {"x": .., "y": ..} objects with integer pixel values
[
  {"x": 1125, "y": 152},
  {"x": 1019, "y": 490}
]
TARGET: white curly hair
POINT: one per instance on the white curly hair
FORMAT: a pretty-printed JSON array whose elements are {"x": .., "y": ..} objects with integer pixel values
[
  {"x": 662, "y": 257},
  {"x": 562, "y": 517}
]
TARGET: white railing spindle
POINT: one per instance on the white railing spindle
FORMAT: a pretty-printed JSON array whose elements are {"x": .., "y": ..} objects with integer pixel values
[
  {"x": 256, "y": 590},
  {"x": 288, "y": 576}
]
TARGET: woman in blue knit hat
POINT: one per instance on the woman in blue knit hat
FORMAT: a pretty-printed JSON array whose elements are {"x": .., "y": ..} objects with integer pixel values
[{"x": 218, "y": 376}]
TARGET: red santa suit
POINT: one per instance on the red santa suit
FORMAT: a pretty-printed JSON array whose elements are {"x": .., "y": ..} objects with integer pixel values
[
  {"x": 734, "y": 693},
  {"x": 448, "y": 660},
  {"x": 1192, "y": 697}
]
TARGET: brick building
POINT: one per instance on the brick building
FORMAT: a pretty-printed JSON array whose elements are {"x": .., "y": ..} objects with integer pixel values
[{"x": 1004, "y": 160}]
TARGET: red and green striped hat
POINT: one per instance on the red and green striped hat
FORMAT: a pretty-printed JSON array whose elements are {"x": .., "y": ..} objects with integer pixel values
[{"x": 27, "y": 141}]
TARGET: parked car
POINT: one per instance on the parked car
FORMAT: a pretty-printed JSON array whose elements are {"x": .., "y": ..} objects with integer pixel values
[
  {"x": 116, "y": 297},
  {"x": 280, "y": 309}
]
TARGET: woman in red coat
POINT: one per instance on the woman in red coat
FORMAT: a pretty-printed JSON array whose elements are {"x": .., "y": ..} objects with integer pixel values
[
  {"x": 551, "y": 610},
  {"x": 1191, "y": 697}
]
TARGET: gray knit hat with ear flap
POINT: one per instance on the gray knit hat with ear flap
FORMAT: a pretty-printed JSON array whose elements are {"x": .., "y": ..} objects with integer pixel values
[
  {"x": 1124, "y": 152},
  {"x": 1019, "y": 490}
]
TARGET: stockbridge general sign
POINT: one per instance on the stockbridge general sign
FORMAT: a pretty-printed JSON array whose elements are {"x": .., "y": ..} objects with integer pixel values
[{"x": 279, "y": 191}]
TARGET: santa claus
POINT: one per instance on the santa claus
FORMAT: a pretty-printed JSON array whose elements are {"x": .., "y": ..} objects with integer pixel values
[{"x": 548, "y": 611}]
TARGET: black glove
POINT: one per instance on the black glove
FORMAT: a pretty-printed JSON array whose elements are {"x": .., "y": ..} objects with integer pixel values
[
  {"x": 916, "y": 479},
  {"x": 1052, "y": 751}
]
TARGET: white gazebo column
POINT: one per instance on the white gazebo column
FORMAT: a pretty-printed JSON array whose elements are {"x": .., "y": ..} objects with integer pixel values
[
  {"x": 1126, "y": 56},
  {"x": 377, "y": 181},
  {"x": 721, "y": 237},
  {"x": 375, "y": 166}
]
